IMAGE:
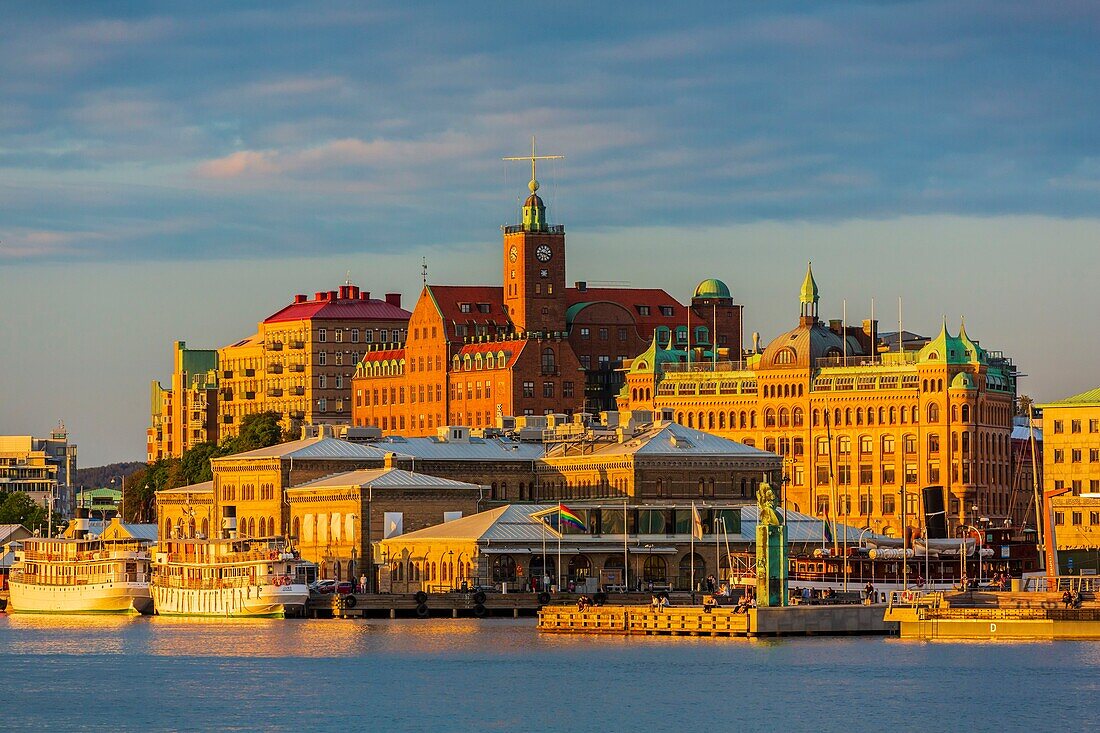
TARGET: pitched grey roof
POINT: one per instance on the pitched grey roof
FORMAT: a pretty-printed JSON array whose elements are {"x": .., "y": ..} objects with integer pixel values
[
  {"x": 671, "y": 439},
  {"x": 7, "y": 530},
  {"x": 321, "y": 447},
  {"x": 488, "y": 449},
  {"x": 137, "y": 531},
  {"x": 385, "y": 478},
  {"x": 515, "y": 523},
  {"x": 205, "y": 487}
]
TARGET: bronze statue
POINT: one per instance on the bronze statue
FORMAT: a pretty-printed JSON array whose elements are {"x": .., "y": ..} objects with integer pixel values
[{"x": 766, "y": 502}]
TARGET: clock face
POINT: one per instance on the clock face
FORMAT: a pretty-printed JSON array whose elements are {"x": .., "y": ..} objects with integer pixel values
[
  {"x": 544, "y": 253},
  {"x": 513, "y": 253}
]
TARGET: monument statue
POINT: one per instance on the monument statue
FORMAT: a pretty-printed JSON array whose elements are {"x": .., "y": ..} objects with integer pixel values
[{"x": 771, "y": 550}]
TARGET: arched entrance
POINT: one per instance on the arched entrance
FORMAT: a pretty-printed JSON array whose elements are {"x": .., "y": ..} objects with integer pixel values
[
  {"x": 580, "y": 568},
  {"x": 655, "y": 570},
  {"x": 537, "y": 572},
  {"x": 684, "y": 580}
]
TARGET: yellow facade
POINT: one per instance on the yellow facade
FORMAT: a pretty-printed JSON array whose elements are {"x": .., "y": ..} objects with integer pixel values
[
  {"x": 1071, "y": 444},
  {"x": 184, "y": 414},
  {"x": 858, "y": 427}
]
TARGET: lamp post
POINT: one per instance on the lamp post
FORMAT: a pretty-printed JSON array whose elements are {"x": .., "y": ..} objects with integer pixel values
[
  {"x": 451, "y": 567},
  {"x": 648, "y": 562}
]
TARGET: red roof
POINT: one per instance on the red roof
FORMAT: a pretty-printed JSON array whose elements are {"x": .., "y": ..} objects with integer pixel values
[
  {"x": 341, "y": 309},
  {"x": 384, "y": 355},
  {"x": 449, "y": 300},
  {"x": 631, "y": 299},
  {"x": 511, "y": 349}
]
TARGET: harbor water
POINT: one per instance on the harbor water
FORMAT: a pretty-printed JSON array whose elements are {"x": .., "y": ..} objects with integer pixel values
[{"x": 152, "y": 674}]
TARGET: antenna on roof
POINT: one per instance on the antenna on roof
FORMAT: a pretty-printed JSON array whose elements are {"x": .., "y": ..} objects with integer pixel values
[
  {"x": 424, "y": 270},
  {"x": 347, "y": 278}
]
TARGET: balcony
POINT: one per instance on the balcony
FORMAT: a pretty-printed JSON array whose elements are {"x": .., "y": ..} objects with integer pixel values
[
  {"x": 705, "y": 366},
  {"x": 250, "y": 372},
  {"x": 297, "y": 344},
  {"x": 887, "y": 359},
  {"x": 275, "y": 392},
  {"x": 250, "y": 395},
  {"x": 297, "y": 368},
  {"x": 297, "y": 391},
  {"x": 227, "y": 374},
  {"x": 297, "y": 414},
  {"x": 552, "y": 229},
  {"x": 275, "y": 369},
  {"x": 275, "y": 346}
]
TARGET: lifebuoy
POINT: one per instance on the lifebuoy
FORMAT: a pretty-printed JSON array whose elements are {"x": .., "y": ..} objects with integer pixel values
[
  {"x": 544, "y": 598},
  {"x": 479, "y": 597},
  {"x": 479, "y": 610},
  {"x": 422, "y": 610},
  {"x": 421, "y": 597},
  {"x": 349, "y": 601}
]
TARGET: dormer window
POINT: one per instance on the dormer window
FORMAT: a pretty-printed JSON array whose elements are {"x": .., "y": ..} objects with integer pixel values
[
  {"x": 483, "y": 307},
  {"x": 643, "y": 310},
  {"x": 464, "y": 308},
  {"x": 666, "y": 310}
]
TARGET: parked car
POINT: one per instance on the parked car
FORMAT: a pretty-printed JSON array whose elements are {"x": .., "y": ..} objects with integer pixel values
[
  {"x": 344, "y": 587},
  {"x": 322, "y": 586}
]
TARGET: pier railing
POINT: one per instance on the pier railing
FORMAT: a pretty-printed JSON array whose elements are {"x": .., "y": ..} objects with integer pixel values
[
  {"x": 1061, "y": 583},
  {"x": 98, "y": 579}
]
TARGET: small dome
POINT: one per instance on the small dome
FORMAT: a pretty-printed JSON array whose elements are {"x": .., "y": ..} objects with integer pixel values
[
  {"x": 804, "y": 344},
  {"x": 712, "y": 288},
  {"x": 534, "y": 200},
  {"x": 963, "y": 380}
]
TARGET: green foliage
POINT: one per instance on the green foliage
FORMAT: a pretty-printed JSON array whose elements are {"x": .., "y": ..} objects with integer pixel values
[
  {"x": 19, "y": 508},
  {"x": 257, "y": 431}
]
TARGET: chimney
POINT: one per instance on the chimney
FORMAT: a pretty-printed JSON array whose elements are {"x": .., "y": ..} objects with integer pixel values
[
  {"x": 364, "y": 295},
  {"x": 300, "y": 298},
  {"x": 582, "y": 286},
  {"x": 319, "y": 295},
  {"x": 343, "y": 292},
  {"x": 394, "y": 299},
  {"x": 390, "y": 461},
  {"x": 332, "y": 295},
  {"x": 353, "y": 292}
]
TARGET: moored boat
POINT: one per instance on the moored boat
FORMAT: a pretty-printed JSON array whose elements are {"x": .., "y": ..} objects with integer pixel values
[
  {"x": 80, "y": 574},
  {"x": 253, "y": 577}
]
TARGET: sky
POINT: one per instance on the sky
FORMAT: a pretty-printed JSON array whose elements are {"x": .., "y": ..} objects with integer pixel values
[{"x": 179, "y": 170}]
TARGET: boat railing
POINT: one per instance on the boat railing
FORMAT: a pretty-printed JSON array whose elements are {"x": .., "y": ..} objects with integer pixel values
[
  {"x": 97, "y": 579},
  {"x": 237, "y": 581},
  {"x": 190, "y": 558},
  {"x": 915, "y": 599},
  {"x": 1062, "y": 583},
  {"x": 110, "y": 553}
]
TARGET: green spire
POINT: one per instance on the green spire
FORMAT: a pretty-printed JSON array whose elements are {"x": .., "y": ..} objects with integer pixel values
[
  {"x": 534, "y": 211},
  {"x": 809, "y": 292},
  {"x": 808, "y": 297}
]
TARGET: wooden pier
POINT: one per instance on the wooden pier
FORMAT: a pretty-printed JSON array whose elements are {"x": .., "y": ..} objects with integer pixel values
[
  {"x": 694, "y": 621},
  {"x": 1037, "y": 616},
  {"x": 458, "y": 604}
]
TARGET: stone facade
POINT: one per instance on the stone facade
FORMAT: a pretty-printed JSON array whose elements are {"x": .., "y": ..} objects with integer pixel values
[{"x": 186, "y": 413}]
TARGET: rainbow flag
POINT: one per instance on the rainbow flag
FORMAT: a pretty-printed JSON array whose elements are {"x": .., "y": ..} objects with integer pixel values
[{"x": 566, "y": 516}]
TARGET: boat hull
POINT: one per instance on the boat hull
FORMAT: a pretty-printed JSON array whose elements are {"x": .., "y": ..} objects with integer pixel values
[
  {"x": 115, "y": 598},
  {"x": 262, "y": 601}
]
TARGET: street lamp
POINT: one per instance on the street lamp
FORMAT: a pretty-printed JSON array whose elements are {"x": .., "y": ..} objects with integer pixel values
[{"x": 648, "y": 563}]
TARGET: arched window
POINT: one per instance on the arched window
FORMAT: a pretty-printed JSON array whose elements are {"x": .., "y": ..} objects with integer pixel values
[
  {"x": 844, "y": 445},
  {"x": 691, "y": 419},
  {"x": 769, "y": 418},
  {"x": 786, "y": 356},
  {"x": 548, "y": 361},
  {"x": 870, "y": 416},
  {"x": 966, "y": 413},
  {"x": 580, "y": 568},
  {"x": 848, "y": 416},
  {"x": 263, "y": 527},
  {"x": 698, "y": 569},
  {"x": 710, "y": 421},
  {"x": 784, "y": 418},
  {"x": 816, "y": 418},
  {"x": 655, "y": 569},
  {"x": 206, "y": 527},
  {"x": 721, "y": 421},
  {"x": 797, "y": 417}
]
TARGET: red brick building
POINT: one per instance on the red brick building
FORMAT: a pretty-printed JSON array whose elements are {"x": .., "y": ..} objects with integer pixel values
[{"x": 531, "y": 347}]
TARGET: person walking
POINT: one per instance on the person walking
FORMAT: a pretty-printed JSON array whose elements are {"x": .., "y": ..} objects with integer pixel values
[
  {"x": 869, "y": 590},
  {"x": 363, "y": 583}
]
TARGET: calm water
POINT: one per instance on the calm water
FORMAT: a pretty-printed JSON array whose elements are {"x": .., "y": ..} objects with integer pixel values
[{"x": 80, "y": 673}]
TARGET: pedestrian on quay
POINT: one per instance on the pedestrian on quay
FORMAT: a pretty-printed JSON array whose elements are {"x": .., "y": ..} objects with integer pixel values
[
  {"x": 363, "y": 583},
  {"x": 869, "y": 590}
]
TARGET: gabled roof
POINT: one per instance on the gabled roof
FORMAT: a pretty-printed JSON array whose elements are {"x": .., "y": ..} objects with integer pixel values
[
  {"x": 205, "y": 487},
  {"x": 7, "y": 531},
  {"x": 384, "y": 355},
  {"x": 386, "y": 478},
  {"x": 511, "y": 348},
  {"x": 347, "y": 309},
  {"x": 448, "y": 300},
  {"x": 321, "y": 447},
  {"x": 1088, "y": 397}
]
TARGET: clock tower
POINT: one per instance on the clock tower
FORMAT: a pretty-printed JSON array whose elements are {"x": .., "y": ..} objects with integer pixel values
[{"x": 534, "y": 269}]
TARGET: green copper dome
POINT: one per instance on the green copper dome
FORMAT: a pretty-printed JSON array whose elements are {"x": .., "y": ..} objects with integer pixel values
[
  {"x": 712, "y": 288},
  {"x": 963, "y": 380}
]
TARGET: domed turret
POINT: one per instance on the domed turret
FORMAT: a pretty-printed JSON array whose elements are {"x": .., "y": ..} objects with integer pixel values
[
  {"x": 534, "y": 211},
  {"x": 712, "y": 288},
  {"x": 963, "y": 380}
]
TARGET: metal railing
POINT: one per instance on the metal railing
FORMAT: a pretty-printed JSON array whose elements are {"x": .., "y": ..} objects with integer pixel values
[
  {"x": 1060, "y": 583},
  {"x": 96, "y": 579},
  {"x": 886, "y": 359},
  {"x": 705, "y": 366}
]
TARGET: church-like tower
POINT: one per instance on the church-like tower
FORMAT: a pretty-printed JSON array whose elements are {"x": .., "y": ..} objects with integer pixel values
[{"x": 534, "y": 269}]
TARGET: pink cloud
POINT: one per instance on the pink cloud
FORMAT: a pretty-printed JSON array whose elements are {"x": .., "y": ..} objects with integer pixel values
[{"x": 243, "y": 163}]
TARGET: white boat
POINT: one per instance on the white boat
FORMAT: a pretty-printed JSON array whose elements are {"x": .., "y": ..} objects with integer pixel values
[
  {"x": 253, "y": 577},
  {"x": 80, "y": 575}
]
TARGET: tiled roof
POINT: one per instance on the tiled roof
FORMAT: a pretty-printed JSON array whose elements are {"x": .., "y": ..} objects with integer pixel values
[
  {"x": 512, "y": 349},
  {"x": 631, "y": 298},
  {"x": 384, "y": 355},
  {"x": 386, "y": 478},
  {"x": 448, "y": 299},
  {"x": 336, "y": 310},
  {"x": 1090, "y": 397},
  {"x": 331, "y": 448}
]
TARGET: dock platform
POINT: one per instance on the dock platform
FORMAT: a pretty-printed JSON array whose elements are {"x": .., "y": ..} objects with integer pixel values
[
  {"x": 993, "y": 616},
  {"x": 694, "y": 621}
]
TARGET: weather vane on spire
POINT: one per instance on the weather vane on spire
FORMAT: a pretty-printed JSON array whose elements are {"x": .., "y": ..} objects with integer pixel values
[{"x": 534, "y": 184}]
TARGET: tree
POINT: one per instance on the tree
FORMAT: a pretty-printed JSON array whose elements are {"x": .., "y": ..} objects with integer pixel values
[
  {"x": 19, "y": 508},
  {"x": 258, "y": 430},
  {"x": 1025, "y": 403}
]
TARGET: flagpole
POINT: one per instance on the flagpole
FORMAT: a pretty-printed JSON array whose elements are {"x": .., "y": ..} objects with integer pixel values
[
  {"x": 560, "y": 531},
  {"x": 626, "y": 556},
  {"x": 693, "y": 553}
]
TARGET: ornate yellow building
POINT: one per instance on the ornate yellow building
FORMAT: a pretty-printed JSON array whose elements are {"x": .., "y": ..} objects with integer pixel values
[{"x": 863, "y": 429}]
